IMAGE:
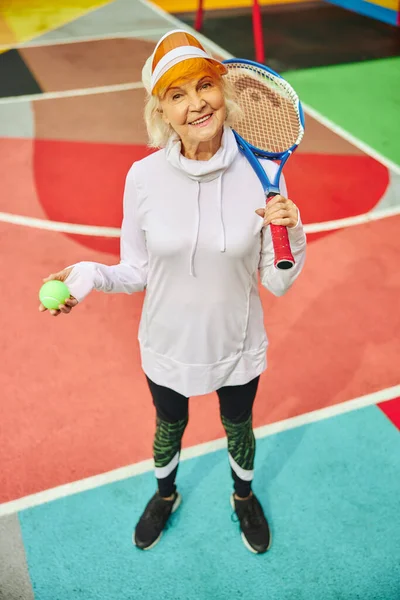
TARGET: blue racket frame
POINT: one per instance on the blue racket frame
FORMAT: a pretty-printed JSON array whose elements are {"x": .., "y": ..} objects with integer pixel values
[{"x": 270, "y": 188}]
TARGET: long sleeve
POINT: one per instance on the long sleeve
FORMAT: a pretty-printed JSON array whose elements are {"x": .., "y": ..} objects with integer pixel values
[
  {"x": 275, "y": 280},
  {"x": 130, "y": 275}
]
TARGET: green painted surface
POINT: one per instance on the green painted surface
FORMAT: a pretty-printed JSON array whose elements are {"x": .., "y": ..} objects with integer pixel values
[{"x": 362, "y": 98}]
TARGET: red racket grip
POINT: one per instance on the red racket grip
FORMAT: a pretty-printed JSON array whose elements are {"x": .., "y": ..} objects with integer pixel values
[{"x": 280, "y": 240}]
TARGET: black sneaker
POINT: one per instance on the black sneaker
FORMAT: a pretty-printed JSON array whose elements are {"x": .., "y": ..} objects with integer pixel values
[
  {"x": 153, "y": 520},
  {"x": 256, "y": 535}
]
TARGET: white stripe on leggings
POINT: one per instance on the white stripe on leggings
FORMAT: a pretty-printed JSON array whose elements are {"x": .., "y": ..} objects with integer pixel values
[
  {"x": 163, "y": 472},
  {"x": 242, "y": 473}
]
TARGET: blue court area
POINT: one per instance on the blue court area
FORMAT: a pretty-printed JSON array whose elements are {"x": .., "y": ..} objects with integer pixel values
[{"x": 330, "y": 490}]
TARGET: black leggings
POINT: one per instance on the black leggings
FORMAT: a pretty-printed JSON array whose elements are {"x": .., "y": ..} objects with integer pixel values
[{"x": 236, "y": 404}]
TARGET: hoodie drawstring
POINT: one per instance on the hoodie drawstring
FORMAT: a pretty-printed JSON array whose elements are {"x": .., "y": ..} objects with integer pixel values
[
  {"x": 196, "y": 233},
  {"x": 197, "y": 224},
  {"x": 221, "y": 215}
]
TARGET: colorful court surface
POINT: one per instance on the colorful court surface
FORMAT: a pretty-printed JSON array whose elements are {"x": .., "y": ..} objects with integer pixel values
[{"x": 76, "y": 420}]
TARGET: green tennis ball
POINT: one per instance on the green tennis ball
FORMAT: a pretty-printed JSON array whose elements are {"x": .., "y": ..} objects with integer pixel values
[{"x": 53, "y": 293}]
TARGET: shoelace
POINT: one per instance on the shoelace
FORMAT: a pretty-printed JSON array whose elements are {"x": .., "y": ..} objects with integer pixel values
[
  {"x": 158, "y": 511},
  {"x": 251, "y": 515}
]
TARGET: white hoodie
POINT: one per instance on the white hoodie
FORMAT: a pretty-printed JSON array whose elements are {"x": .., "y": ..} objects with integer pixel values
[{"x": 191, "y": 237}]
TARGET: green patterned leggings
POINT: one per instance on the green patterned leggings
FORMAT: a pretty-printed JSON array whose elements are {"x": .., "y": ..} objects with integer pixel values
[{"x": 236, "y": 404}]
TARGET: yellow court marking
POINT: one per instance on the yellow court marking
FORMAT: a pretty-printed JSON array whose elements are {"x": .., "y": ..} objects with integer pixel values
[
  {"x": 7, "y": 36},
  {"x": 23, "y": 20},
  {"x": 191, "y": 5},
  {"x": 391, "y": 4}
]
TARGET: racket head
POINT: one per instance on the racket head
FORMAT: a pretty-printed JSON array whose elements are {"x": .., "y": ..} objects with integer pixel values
[{"x": 272, "y": 121}]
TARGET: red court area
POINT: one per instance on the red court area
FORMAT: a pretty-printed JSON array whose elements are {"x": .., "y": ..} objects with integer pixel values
[{"x": 75, "y": 401}]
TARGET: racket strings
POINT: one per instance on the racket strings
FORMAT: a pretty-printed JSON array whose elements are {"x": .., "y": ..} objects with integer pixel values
[{"x": 271, "y": 119}]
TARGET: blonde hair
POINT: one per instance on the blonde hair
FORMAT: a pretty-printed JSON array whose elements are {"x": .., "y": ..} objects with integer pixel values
[{"x": 158, "y": 130}]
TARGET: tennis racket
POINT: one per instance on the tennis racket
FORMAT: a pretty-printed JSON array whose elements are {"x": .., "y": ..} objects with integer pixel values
[{"x": 271, "y": 126}]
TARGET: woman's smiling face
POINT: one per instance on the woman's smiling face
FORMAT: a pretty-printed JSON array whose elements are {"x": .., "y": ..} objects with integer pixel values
[{"x": 195, "y": 109}]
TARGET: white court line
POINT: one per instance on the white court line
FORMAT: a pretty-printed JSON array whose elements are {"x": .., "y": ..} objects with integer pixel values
[
  {"x": 352, "y": 221},
  {"x": 104, "y": 89},
  {"x": 145, "y": 466},
  {"x": 114, "y": 232},
  {"x": 85, "y": 38},
  {"x": 93, "y": 230}
]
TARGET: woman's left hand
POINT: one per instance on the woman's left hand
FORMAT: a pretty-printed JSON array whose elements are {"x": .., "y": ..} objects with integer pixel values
[{"x": 279, "y": 211}]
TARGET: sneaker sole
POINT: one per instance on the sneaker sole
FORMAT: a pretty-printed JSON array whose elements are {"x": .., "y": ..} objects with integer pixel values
[
  {"x": 175, "y": 507},
  {"x": 244, "y": 539}
]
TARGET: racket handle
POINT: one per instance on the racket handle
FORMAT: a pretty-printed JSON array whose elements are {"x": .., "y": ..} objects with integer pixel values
[{"x": 280, "y": 240}]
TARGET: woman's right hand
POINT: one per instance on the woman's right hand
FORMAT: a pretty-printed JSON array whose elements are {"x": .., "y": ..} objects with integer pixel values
[{"x": 69, "y": 303}]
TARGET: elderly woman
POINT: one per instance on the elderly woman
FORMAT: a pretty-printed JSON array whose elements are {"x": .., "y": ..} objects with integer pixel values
[{"x": 192, "y": 237}]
